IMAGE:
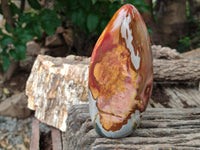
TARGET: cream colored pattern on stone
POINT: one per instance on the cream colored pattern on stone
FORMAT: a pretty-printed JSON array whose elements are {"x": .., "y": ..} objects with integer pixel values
[{"x": 127, "y": 34}]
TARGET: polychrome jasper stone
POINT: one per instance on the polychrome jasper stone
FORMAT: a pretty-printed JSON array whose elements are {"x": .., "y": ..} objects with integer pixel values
[{"x": 120, "y": 74}]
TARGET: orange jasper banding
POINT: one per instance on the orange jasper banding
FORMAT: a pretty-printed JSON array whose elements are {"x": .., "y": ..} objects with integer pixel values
[{"x": 120, "y": 73}]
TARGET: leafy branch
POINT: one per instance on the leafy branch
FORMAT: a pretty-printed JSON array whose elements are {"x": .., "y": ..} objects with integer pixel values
[{"x": 23, "y": 28}]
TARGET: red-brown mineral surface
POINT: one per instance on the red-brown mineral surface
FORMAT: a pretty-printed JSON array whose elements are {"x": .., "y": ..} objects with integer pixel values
[{"x": 120, "y": 74}]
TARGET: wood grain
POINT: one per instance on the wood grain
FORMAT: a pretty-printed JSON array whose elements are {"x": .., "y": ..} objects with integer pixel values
[
  {"x": 160, "y": 128},
  {"x": 35, "y": 136},
  {"x": 179, "y": 70},
  {"x": 56, "y": 139}
]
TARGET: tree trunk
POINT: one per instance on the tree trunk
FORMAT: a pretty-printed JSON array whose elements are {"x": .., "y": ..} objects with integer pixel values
[
  {"x": 194, "y": 7},
  {"x": 6, "y": 12},
  {"x": 151, "y": 24},
  {"x": 9, "y": 19},
  {"x": 22, "y": 5},
  {"x": 148, "y": 16},
  {"x": 171, "y": 19}
]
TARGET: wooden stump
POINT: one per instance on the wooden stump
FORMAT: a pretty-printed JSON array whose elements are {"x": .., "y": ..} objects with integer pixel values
[{"x": 160, "y": 128}]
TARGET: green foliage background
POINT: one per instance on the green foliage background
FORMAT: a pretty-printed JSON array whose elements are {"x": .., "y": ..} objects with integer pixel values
[
  {"x": 88, "y": 15},
  {"x": 27, "y": 26},
  {"x": 93, "y": 15}
]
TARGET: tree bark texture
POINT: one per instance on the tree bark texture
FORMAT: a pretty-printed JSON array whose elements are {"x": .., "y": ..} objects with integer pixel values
[
  {"x": 55, "y": 84},
  {"x": 6, "y": 12},
  {"x": 174, "y": 96},
  {"x": 160, "y": 52},
  {"x": 160, "y": 128},
  {"x": 151, "y": 24},
  {"x": 180, "y": 70},
  {"x": 193, "y": 54},
  {"x": 194, "y": 6},
  {"x": 148, "y": 16},
  {"x": 172, "y": 19},
  {"x": 22, "y": 5}
]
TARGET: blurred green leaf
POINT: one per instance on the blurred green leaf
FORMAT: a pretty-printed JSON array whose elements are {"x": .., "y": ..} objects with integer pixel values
[
  {"x": 13, "y": 53},
  {"x": 72, "y": 4},
  {"x": 49, "y": 21},
  {"x": 34, "y": 4},
  {"x": 23, "y": 34},
  {"x": 8, "y": 27},
  {"x": 20, "y": 51},
  {"x": 85, "y": 4},
  {"x": 60, "y": 4},
  {"x": 26, "y": 36},
  {"x": 37, "y": 31},
  {"x": 94, "y": 1},
  {"x": 112, "y": 8},
  {"x": 17, "y": 31},
  {"x": 103, "y": 24},
  {"x": 78, "y": 17},
  {"x": 6, "y": 40},
  {"x": 92, "y": 22},
  {"x": 141, "y": 5},
  {"x": 5, "y": 61},
  {"x": 149, "y": 30},
  {"x": 23, "y": 18},
  {"x": 14, "y": 9}
]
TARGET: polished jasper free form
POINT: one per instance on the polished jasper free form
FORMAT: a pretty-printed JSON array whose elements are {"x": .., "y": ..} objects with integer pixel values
[{"x": 120, "y": 74}]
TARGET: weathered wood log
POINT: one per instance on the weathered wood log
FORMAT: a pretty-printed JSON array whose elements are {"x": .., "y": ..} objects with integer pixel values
[
  {"x": 175, "y": 96},
  {"x": 55, "y": 84},
  {"x": 193, "y": 54},
  {"x": 160, "y": 128},
  {"x": 160, "y": 52},
  {"x": 180, "y": 70}
]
